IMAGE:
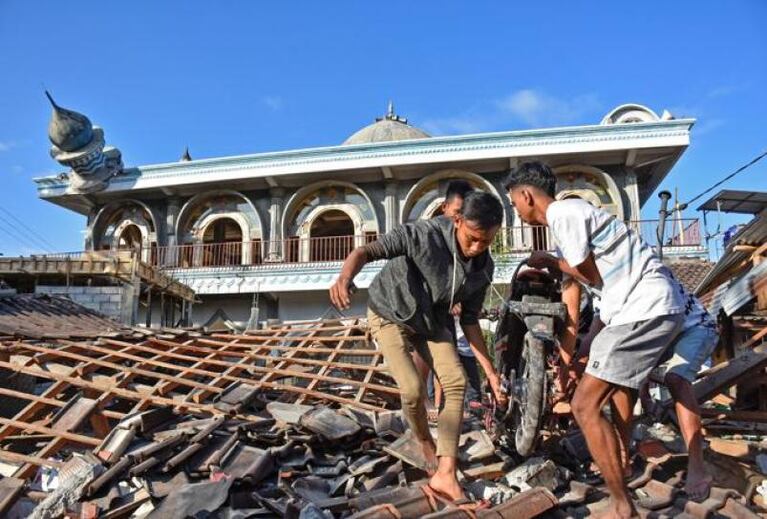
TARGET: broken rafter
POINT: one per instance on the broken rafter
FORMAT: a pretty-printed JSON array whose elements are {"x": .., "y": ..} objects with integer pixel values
[{"x": 94, "y": 384}]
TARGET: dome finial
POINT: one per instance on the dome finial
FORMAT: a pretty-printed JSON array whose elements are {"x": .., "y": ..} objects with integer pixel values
[
  {"x": 50, "y": 98},
  {"x": 67, "y": 129},
  {"x": 390, "y": 115},
  {"x": 390, "y": 127},
  {"x": 186, "y": 157}
]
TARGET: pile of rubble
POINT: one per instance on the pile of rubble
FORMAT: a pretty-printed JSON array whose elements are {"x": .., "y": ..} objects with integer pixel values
[
  {"x": 315, "y": 462},
  {"x": 300, "y": 421}
]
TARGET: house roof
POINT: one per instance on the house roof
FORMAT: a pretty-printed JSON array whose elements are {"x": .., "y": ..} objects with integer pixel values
[
  {"x": 42, "y": 316},
  {"x": 690, "y": 272}
]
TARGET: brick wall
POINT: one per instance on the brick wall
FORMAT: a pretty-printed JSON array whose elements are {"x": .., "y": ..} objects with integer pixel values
[{"x": 106, "y": 300}]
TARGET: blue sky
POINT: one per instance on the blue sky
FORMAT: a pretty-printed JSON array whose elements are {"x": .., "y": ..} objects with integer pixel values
[{"x": 242, "y": 77}]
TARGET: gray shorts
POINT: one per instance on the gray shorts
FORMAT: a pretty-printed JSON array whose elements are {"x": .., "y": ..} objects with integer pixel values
[
  {"x": 625, "y": 354},
  {"x": 692, "y": 348}
]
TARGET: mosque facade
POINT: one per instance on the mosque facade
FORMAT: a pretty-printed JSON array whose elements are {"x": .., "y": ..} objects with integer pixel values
[{"x": 262, "y": 236}]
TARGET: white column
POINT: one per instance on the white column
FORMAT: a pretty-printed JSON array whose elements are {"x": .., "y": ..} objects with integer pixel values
[
  {"x": 171, "y": 221},
  {"x": 275, "y": 223},
  {"x": 89, "y": 229},
  {"x": 391, "y": 207},
  {"x": 632, "y": 189}
]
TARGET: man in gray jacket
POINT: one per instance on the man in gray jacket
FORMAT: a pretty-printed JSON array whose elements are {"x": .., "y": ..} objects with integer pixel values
[{"x": 433, "y": 264}]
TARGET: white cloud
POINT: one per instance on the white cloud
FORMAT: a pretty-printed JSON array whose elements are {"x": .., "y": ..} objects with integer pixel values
[
  {"x": 539, "y": 109},
  {"x": 706, "y": 122},
  {"x": 7, "y": 145},
  {"x": 454, "y": 125},
  {"x": 274, "y": 103},
  {"x": 707, "y": 126},
  {"x": 527, "y": 108},
  {"x": 728, "y": 90}
]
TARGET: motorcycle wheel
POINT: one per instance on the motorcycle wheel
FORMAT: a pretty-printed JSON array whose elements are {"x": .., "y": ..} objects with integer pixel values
[{"x": 528, "y": 413}]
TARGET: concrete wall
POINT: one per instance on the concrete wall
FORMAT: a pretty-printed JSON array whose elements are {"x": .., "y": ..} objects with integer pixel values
[
  {"x": 290, "y": 306},
  {"x": 302, "y": 306},
  {"x": 109, "y": 301}
]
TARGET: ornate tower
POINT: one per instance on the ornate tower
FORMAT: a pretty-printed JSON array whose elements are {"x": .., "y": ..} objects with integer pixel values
[{"x": 80, "y": 146}]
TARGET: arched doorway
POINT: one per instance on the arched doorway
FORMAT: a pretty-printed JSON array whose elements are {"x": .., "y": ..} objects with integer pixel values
[
  {"x": 222, "y": 243},
  {"x": 219, "y": 228},
  {"x": 126, "y": 225},
  {"x": 130, "y": 239},
  {"x": 331, "y": 236}
]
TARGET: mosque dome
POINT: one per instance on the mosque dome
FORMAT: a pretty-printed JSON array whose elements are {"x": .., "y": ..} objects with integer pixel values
[
  {"x": 68, "y": 130},
  {"x": 391, "y": 127}
]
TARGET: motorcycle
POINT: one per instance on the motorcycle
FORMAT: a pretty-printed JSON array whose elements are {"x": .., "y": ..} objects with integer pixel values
[{"x": 526, "y": 353}]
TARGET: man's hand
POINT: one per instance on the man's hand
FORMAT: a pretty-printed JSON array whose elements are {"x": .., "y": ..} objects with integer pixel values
[
  {"x": 340, "y": 293},
  {"x": 542, "y": 260},
  {"x": 495, "y": 385},
  {"x": 456, "y": 310},
  {"x": 567, "y": 379}
]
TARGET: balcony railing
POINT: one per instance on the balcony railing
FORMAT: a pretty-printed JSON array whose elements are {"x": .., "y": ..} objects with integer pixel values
[{"x": 516, "y": 240}]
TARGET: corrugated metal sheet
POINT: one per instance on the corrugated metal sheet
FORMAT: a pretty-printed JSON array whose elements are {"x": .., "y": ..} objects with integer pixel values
[
  {"x": 754, "y": 233},
  {"x": 743, "y": 290}
]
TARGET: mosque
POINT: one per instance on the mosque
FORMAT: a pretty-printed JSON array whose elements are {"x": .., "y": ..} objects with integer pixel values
[{"x": 262, "y": 236}]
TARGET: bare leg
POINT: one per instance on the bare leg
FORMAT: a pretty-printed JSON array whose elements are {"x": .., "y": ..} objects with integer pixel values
[
  {"x": 602, "y": 440},
  {"x": 698, "y": 484},
  {"x": 648, "y": 406},
  {"x": 622, "y": 405}
]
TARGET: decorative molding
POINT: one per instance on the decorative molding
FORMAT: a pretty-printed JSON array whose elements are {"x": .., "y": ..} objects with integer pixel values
[
  {"x": 270, "y": 277},
  {"x": 386, "y": 154}
]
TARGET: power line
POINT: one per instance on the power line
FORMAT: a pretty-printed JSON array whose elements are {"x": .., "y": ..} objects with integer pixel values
[
  {"x": 10, "y": 230},
  {"x": 17, "y": 239},
  {"x": 21, "y": 237},
  {"x": 728, "y": 177},
  {"x": 40, "y": 238}
]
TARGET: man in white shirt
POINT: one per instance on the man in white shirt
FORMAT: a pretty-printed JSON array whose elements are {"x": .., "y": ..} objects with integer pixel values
[{"x": 638, "y": 304}]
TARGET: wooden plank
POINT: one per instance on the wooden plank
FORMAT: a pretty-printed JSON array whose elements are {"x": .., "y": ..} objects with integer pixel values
[
  {"x": 740, "y": 416},
  {"x": 733, "y": 371},
  {"x": 366, "y": 380},
  {"x": 212, "y": 374},
  {"x": 722, "y": 365},
  {"x": 50, "y": 401},
  {"x": 33, "y": 427},
  {"x": 180, "y": 405},
  {"x": 358, "y": 351},
  {"x": 100, "y": 386},
  {"x": 324, "y": 369},
  {"x": 14, "y": 457}
]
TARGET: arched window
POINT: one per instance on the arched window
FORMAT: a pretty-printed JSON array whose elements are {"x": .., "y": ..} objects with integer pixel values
[
  {"x": 325, "y": 221},
  {"x": 332, "y": 236},
  {"x": 126, "y": 225},
  {"x": 130, "y": 238},
  {"x": 425, "y": 198},
  {"x": 590, "y": 184},
  {"x": 219, "y": 228},
  {"x": 222, "y": 239}
]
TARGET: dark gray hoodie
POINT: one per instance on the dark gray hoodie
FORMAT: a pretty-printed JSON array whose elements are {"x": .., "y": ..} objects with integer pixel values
[{"x": 414, "y": 287}]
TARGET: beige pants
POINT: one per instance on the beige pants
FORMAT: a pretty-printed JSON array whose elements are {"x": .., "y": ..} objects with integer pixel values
[{"x": 442, "y": 357}]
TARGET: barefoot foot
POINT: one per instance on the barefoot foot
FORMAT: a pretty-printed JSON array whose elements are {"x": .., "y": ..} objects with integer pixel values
[
  {"x": 429, "y": 451},
  {"x": 698, "y": 486},
  {"x": 447, "y": 485}
]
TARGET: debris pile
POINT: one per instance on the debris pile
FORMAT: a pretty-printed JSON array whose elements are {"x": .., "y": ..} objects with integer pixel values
[{"x": 297, "y": 421}]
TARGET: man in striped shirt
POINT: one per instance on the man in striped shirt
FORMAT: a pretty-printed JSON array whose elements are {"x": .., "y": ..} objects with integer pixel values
[{"x": 639, "y": 306}]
